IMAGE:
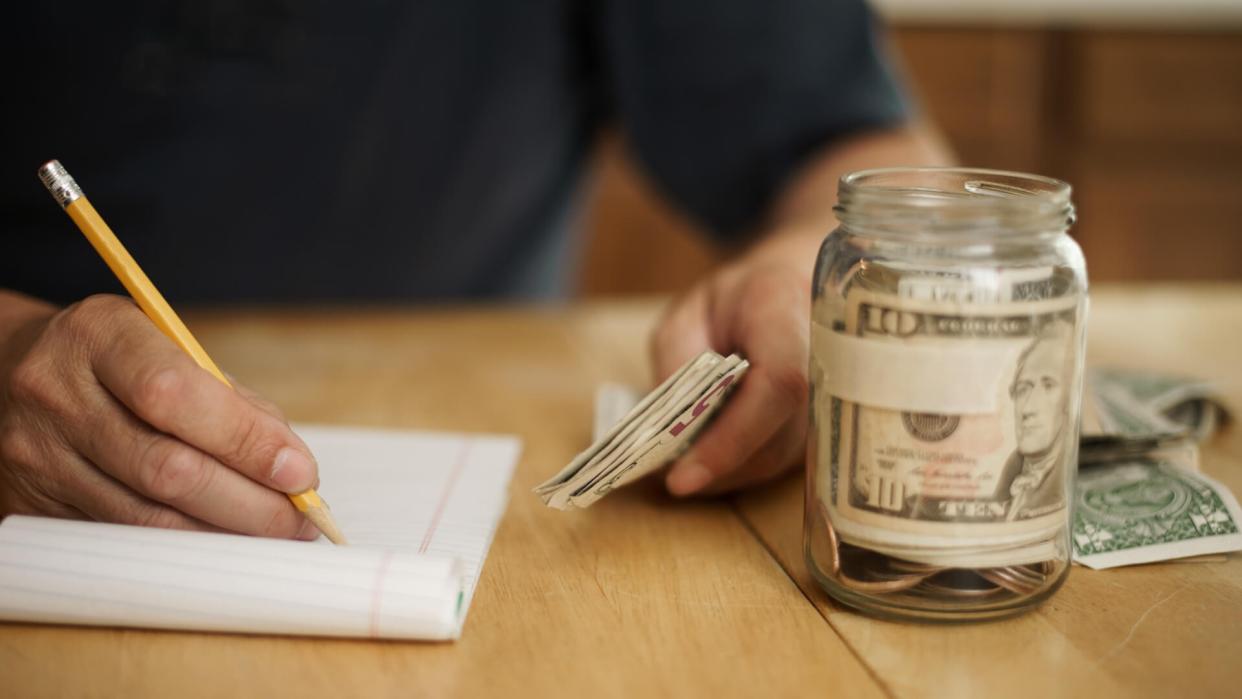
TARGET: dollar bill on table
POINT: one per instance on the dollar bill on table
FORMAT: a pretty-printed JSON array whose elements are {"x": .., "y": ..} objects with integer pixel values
[
  {"x": 1139, "y": 497},
  {"x": 1191, "y": 406},
  {"x": 1131, "y": 413},
  {"x": 1143, "y": 510},
  {"x": 651, "y": 434}
]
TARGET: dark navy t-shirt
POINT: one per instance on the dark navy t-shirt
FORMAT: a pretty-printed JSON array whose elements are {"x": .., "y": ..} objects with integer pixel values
[{"x": 392, "y": 150}]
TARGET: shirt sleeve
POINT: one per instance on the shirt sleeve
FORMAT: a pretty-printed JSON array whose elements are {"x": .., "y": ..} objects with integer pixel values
[{"x": 722, "y": 101}]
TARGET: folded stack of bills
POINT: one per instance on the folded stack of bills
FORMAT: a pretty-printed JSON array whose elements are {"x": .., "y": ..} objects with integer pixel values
[
  {"x": 650, "y": 434},
  {"x": 1129, "y": 413}
]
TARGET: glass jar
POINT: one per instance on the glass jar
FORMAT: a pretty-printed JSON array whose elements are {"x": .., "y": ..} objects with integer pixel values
[{"x": 947, "y": 338}]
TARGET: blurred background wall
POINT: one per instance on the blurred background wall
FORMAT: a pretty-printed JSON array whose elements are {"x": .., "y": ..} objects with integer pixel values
[{"x": 1136, "y": 103}]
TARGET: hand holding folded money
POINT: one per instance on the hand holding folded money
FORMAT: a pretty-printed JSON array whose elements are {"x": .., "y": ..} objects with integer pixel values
[{"x": 651, "y": 434}]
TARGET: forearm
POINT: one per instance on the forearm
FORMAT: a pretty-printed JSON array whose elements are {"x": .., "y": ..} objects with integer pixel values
[{"x": 802, "y": 214}]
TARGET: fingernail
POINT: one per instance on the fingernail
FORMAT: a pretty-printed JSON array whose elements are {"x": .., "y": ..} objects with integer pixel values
[
  {"x": 292, "y": 471},
  {"x": 688, "y": 477},
  {"x": 308, "y": 532}
]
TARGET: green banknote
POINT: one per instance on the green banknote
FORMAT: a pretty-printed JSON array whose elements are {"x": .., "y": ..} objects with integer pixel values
[{"x": 1147, "y": 509}]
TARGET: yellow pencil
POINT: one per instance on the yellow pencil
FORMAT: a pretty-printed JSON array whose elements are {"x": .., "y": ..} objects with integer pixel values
[{"x": 69, "y": 195}]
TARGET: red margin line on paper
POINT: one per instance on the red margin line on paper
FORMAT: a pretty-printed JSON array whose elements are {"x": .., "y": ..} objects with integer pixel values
[
  {"x": 444, "y": 496},
  {"x": 377, "y": 592}
]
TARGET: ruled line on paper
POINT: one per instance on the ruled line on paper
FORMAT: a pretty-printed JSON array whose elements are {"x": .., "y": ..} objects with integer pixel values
[
  {"x": 101, "y": 531},
  {"x": 171, "y": 586},
  {"x": 163, "y": 564},
  {"x": 282, "y": 586},
  {"x": 112, "y": 555},
  {"x": 170, "y": 612},
  {"x": 136, "y": 604}
]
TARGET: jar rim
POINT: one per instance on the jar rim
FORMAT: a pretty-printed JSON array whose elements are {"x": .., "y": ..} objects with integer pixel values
[{"x": 946, "y": 201}]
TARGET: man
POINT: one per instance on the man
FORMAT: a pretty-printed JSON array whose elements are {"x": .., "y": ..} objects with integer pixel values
[
  {"x": 1033, "y": 478},
  {"x": 276, "y": 151}
]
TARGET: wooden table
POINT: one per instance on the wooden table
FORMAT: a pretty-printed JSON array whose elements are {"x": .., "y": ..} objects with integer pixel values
[{"x": 642, "y": 596}]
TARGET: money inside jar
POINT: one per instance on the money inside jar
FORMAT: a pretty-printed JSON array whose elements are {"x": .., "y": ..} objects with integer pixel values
[{"x": 947, "y": 338}]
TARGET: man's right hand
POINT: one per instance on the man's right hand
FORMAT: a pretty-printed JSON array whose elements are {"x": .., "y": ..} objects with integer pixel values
[{"x": 103, "y": 417}]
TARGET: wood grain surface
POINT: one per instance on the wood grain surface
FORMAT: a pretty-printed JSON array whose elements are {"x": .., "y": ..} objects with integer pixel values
[{"x": 643, "y": 596}]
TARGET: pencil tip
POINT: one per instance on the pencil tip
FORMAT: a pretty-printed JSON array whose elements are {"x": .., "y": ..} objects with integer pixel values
[{"x": 326, "y": 524}]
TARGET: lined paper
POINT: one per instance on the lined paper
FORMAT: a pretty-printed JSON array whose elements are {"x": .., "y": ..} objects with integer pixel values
[{"x": 419, "y": 510}]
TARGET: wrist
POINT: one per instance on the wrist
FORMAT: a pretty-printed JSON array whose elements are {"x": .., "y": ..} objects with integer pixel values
[{"x": 790, "y": 248}]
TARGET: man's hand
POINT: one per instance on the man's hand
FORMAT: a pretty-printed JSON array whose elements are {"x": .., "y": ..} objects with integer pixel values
[
  {"x": 759, "y": 307},
  {"x": 103, "y": 417}
]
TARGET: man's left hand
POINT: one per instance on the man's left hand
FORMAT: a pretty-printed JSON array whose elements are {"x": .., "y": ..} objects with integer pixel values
[{"x": 760, "y": 308}]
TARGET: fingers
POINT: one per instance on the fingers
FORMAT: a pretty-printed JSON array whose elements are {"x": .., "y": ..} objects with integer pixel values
[
  {"x": 49, "y": 478},
  {"x": 259, "y": 401},
  {"x": 769, "y": 322},
  {"x": 268, "y": 407},
  {"x": 110, "y": 501},
  {"x": 21, "y": 495},
  {"x": 84, "y": 489},
  {"x": 169, "y": 472},
  {"x": 759, "y": 409},
  {"x": 165, "y": 389},
  {"x": 682, "y": 334},
  {"x": 785, "y": 450}
]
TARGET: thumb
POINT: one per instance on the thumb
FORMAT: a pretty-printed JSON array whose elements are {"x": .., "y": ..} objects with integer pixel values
[{"x": 682, "y": 333}]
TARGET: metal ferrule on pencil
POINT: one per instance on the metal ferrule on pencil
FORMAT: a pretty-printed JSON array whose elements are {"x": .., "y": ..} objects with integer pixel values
[{"x": 64, "y": 190}]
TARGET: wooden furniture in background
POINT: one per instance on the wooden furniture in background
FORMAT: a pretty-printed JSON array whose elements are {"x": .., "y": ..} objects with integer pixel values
[
  {"x": 1145, "y": 124},
  {"x": 641, "y": 596}
]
